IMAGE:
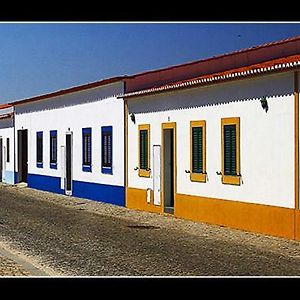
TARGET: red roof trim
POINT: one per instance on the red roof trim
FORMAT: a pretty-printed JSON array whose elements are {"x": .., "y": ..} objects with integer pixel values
[
  {"x": 119, "y": 78},
  {"x": 5, "y": 105},
  {"x": 283, "y": 41},
  {"x": 69, "y": 90},
  {"x": 6, "y": 116},
  {"x": 269, "y": 66}
]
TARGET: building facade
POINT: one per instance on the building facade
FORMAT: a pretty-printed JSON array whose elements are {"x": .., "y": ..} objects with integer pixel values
[
  {"x": 215, "y": 140},
  {"x": 72, "y": 142},
  {"x": 214, "y": 154}
]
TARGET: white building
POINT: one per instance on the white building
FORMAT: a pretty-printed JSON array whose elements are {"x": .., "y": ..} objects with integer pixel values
[
  {"x": 217, "y": 140},
  {"x": 7, "y": 174},
  {"x": 72, "y": 141}
]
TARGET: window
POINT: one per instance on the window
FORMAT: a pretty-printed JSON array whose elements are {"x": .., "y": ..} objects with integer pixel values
[
  {"x": 231, "y": 151},
  {"x": 144, "y": 150},
  {"x": 7, "y": 150},
  {"x": 198, "y": 151},
  {"x": 106, "y": 149},
  {"x": 53, "y": 149},
  {"x": 39, "y": 149},
  {"x": 87, "y": 149}
]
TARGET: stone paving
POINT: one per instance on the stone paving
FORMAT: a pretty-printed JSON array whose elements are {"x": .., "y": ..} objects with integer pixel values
[
  {"x": 10, "y": 268},
  {"x": 78, "y": 237}
]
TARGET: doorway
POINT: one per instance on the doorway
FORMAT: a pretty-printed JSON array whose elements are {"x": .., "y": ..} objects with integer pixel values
[
  {"x": 22, "y": 155},
  {"x": 68, "y": 164},
  {"x": 169, "y": 167}
]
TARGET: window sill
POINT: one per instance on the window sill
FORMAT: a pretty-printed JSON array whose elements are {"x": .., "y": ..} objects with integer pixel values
[
  {"x": 106, "y": 170},
  {"x": 39, "y": 165},
  {"x": 87, "y": 168},
  {"x": 144, "y": 173},
  {"x": 198, "y": 177},
  {"x": 53, "y": 165},
  {"x": 231, "y": 179}
]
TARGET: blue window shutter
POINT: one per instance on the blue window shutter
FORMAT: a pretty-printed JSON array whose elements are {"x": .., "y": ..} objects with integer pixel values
[
  {"x": 39, "y": 149},
  {"x": 87, "y": 149},
  {"x": 53, "y": 149},
  {"x": 106, "y": 149}
]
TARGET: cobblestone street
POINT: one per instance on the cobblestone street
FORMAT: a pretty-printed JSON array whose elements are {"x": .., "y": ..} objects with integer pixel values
[
  {"x": 10, "y": 268},
  {"x": 78, "y": 237}
]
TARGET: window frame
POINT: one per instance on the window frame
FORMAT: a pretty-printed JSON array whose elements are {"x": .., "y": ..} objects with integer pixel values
[
  {"x": 39, "y": 134},
  {"x": 104, "y": 130},
  {"x": 198, "y": 177},
  {"x": 86, "y": 167},
  {"x": 231, "y": 179},
  {"x": 144, "y": 172},
  {"x": 53, "y": 164}
]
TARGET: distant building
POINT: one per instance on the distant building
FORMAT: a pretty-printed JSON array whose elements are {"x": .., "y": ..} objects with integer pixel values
[{"x": 7, "y": 163}]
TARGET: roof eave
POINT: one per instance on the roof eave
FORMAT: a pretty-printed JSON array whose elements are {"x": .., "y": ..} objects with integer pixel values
[
  {"x": 69, "y": 90},
  {"x": 227, "y": 76}
]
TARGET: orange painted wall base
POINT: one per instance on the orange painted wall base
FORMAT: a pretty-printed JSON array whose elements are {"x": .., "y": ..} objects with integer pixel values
[
  {"x": 271, "y": 220},
  {"x": 265, "y": 219},
  {"x": 137, "y": 199},
  {"x": 297, "y": 225}
]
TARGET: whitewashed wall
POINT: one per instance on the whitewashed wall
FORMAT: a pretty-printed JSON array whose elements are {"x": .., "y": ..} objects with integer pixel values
[
  {"x": 90, "y": 108},
  {"x": 7, "y": 131},
  {"x": 267, "y": 139}
]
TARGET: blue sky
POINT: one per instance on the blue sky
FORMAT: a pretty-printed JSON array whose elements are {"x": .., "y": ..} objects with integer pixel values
[{"x": 37, "y": 58}]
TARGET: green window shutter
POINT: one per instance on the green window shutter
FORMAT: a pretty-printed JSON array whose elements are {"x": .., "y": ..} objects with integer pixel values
[
  {"x": 144, "y": 149},
  {"x": 230, "y": 150},
  {"x": 197, "y": 149}
]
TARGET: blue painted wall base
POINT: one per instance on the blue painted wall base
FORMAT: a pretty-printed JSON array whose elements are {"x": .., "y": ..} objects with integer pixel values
[
  {"x": 8, "y": 177},
  {"x": 45, "y": 183},
  {"x": 16, "y": 177},
  {"x": 93, "y": 191},
  {"x": 100, "y": 192}
]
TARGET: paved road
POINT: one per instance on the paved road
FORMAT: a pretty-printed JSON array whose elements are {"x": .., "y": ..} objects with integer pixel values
[
  {"x": 9, "y": 268},
  {"x": 84, "y": 238}
]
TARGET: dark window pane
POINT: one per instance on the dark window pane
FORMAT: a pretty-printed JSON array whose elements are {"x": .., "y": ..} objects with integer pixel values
[
  {"x": 87, "y": 147},
  {"x": 7, "y": 150},
  {"x": 144, "y": 149},
  {"x": 230, "y": 150},
  {"x": 107, "y": 148},
  {"x": 53, "y": 147},
  {"x": 197, "y": 149},
  {"x": 39, "y": 146}
]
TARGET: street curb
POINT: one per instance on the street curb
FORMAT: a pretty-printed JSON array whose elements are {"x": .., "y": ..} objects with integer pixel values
[{"x": 33, "y": 271}]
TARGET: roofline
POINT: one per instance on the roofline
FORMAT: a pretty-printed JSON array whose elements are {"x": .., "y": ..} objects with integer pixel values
[
  {"x": 268, "y": 67},
  {"x": 69, "y": 90},
  {"x": 7, "y": 116},
  {"x": 120, "y": 78},
  {"x": 283, "y": 41},
  {"x": 5, "y": 105}
]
